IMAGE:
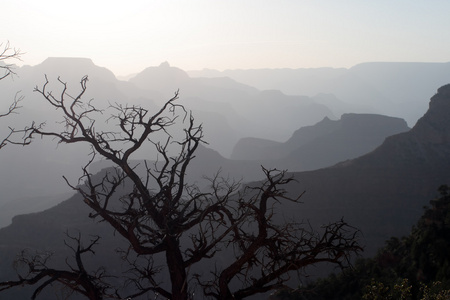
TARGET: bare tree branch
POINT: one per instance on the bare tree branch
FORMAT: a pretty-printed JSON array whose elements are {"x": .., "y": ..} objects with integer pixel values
[
  {"x": 7, "y": 53},
  {"x": 157, "y": 211},
  {"x": 92, "y": 286}
]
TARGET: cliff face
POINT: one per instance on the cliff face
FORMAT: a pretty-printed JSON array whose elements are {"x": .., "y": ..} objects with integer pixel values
[
  {"x": 434, "y": 126},
  {"x": 427, "y": 143},
  {"x": 383, "y": 192}
]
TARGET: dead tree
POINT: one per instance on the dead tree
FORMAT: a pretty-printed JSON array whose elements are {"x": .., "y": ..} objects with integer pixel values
[{"x": 162, "y": 214}]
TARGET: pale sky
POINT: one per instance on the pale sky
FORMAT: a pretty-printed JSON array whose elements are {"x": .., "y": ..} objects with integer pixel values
[{"x": 128, "y": 36}]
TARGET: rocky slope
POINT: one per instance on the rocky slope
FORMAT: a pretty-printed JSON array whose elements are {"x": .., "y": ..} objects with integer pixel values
[{"x": 383, "y": 192}]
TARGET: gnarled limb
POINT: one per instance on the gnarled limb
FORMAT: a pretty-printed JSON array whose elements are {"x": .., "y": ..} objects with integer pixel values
[
  {"x": 6, "y": 54},
  {"x": 92, "y": 285},
  {"x": 159, "y": 213},
  {"x": 268, "y": 253}
]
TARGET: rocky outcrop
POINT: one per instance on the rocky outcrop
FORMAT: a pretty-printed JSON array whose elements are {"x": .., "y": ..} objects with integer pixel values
[
  {"x": 434, "y": 126},
  {"x": 324, "y": 144}
]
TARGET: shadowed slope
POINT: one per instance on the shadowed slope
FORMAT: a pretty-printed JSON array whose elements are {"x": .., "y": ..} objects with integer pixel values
[{"x": 383, "y": 192}]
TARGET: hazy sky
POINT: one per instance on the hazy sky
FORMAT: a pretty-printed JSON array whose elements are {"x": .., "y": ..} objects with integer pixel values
[{"x": 128, "y": 36}]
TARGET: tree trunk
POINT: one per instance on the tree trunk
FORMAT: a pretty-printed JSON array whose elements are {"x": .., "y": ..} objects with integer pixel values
[{"x": 176, "y": 269}]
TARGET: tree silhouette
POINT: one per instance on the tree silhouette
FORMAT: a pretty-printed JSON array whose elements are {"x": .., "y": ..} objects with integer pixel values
[{"x": 225, "y": 242}]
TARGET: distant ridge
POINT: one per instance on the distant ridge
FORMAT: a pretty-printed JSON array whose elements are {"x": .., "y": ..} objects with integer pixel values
[
  {"x": 68, "y": 60},
  {"x": 323, "y": 144},
  {"x": 383, "y": 192},
  {"x": 75, "y": 67},
  {"x": 228, "y": 110},
  {"x": 388, "y": 88}
]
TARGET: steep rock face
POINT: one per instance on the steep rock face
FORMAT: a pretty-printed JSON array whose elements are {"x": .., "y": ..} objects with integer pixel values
[
  {"x": 383, "y": 192},
  {"x": 428, "y": 142},
  {"x": 434, "y": 126}
]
